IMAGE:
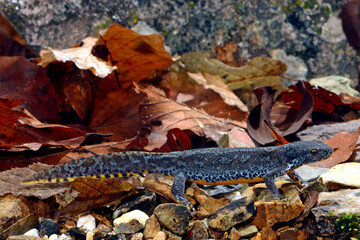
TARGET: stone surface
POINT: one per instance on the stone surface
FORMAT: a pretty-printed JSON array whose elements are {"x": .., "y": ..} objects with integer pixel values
[
  {"x": 174, "y": 217},
  {"x": 234, "y": 234},
  {"x": 199, "y": 231},
  {"x": 345, "y": 175},
  {"x": 145, "y": 203},
  {"x": 336, "y": 203},
  {"x": 210, "y": 206},
  {"x": 130, "y": 222},
  {"x": 86, "y": 223},
  {"x": 268, "y": 234},
  {"x": 77, "y": 233},
  {"x": 137, "y": 236},
  {"x": 200, "y": 195},
  {"x": 248, "y": 231},
  {"x": 23, "y": 237},
  {"x": 172, "y": 236},
  {"x": 313, "y": 186},
  {"x": 12, "y": 210},
  {"x": 160, "y": 236},
  {"x": 307, "y": 173},
  {"x": 268, "y": 213},
  {"x": 305, "y": 29},
  {"x": 232, "y": 214},
  {"x": 32, "y": 232},
  {"x": 293, "y": 234},
  {"x": 152, "y": 227},
  {"x": 296, "y": 68},
  {"x": 48, "y": 227}
]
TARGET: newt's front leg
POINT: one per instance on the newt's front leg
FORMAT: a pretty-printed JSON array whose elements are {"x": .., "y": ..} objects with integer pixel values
[
  {"x": 270, "y": 184},
  {"x": 178, "y": 189}
]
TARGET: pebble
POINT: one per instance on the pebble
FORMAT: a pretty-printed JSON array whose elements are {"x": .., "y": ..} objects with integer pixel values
[
  {"x": 86, "y": 222},
  {"x": 64, "y": 237},
  {"x": 130, "y": 222},
  {"x": 145, "y": 203},
  {"x": 199, "y": 230},
  {"x": 53, "y": 237},
  {"x": 48, "y": 227},
  {"x": 342, "y": 176},
  {"x": 232, "y": 214},
  {"x": 152, "y": 227},
  {"x": 293, "y": 233},
  {"x": 137, "y": 236},
  {"x": 210, "y": 206},
  {"x": 160, "y": 236},
  {"x": 174, "y": 217},
  {"x": 32, "y": 232},
  {"x": 77, "y": 233},
  {"x": 248, "y": 231}
]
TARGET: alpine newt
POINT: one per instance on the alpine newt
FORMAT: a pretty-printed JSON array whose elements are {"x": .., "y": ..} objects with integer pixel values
[{"x": 211, "y": 166}]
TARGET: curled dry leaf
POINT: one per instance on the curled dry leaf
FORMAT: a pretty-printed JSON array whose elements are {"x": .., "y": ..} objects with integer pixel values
[
  {"x": 343, "y": 144},
  {"x": 162, "y": 114},
  {"x": 286, "y": 121},
  {"x": 81, "y": 56},
  {"x": 136, "y": 56}
]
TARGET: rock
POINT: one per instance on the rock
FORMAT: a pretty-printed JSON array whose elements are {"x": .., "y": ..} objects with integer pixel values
[
  {"x": 293, "y": 234},
  {"x": 53, "y": 237},
  {"x": 64, "y": 237},
  {"x": 307, "y": 173},
  {"x": 296, "y": 68},
  {"x": 234, "y": 234},
  {"x": 313, "y": 186},
  {"x": 288, "y": 190},
  {"x": 48, "y": 227},
  {"x": 221, "y": 190},
  {"x": 137, "y": 236},
  {"x": 145, "y": 203},
  {"x": 344, "y": 175},
  {"x": 210, "y": 206},
  {"x": 214, "y": 234},
  {"x": 24, "y": 224},
  {"x": 33, "y": 232},
  {"x": 199, "y": 231},
  {"x": 232, "y": 214},
  {"x": 248, "y": 231},
  {"x": 171, "y": 236},
  {"x": 200, "y": 195},
  {"x": 23, "y": 237},
  {"x": 12, "y": 210},
  {"x": 130, "y": 222},
  {"x": 268, "y": 213},
  {"x": 152, "y": 227},
  {"x": 345, "y": 198},
  {"x": 268, "y": 234},
  {"x": 336, "y": 84},
  {"x": 160, "y": 236},
  {"x": 174, "y": 217},
  {"x": 77, "y": 233},
  {"x": 86, "y": 223}
]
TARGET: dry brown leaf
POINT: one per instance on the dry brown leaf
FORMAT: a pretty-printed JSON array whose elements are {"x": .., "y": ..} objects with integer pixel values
[
  {"x": 136, "y": 56},
  {"x": 343, "y": 144},
  {"x": 215, "y": 83},
  {"x": 162, "y": 114},
  {"x": 11, "y": 182},
  {"x": 81, "y": 56}
]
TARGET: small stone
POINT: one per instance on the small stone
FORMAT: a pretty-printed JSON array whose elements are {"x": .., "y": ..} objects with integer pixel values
[
  {"x": 53, "y": 237},
  {"x": 268, "y": 213},
  {"x": 48, "y": 227},
  {"x": 199, "y": 231},
  {"x": 234, "y": 234},
  {"x": 342, "y": 176},
  {"x": 130, "y": 222},
  {"x": 232, "y": 214},
  {"x": 77, "y": 234},
  {"x": 313, "y": 186},
  {"x": 210, "y": 206},
  {"x": 174, "y": 217},
  {"x": 200, "y": 195},
  {"x": 293, "y": 234},
  {"x": 137, "y": 236},
  {"x": 145, "y": 203},
  {"x": 64, "y": 237},
  {"x": 33, "y": 232},
  {"x": 268, "y": 234},
  {"x": 152, "y": 227},
  {"x": 12, "y": 210},
  {"x": 23, "y": 237},
  {"x": 248, "y": 231},
  {"x": 160, "y": 236},
  {"x": 86, "y": 222},
  {"x": 90, "y": 235},
  {"x": 171, "y": 236}
]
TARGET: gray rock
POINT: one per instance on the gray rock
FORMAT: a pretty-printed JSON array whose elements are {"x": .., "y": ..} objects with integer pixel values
[
  {"x": 334, "y": 204},
  {"x": 174, "y": 217},
  {"x": 232, "y": 214},
  {"x": 145, "y": 203},
  {"x": 305, "y": 30}
]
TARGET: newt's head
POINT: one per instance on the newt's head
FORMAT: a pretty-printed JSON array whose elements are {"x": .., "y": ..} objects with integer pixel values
[{"x": 303, "y": 152}]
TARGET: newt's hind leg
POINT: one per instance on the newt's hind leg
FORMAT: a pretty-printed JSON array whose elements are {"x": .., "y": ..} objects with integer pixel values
[{"x": 178, "y": 189}]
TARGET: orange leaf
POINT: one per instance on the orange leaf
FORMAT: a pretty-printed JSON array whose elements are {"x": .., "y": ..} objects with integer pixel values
[{"x": 136, "y": 56}]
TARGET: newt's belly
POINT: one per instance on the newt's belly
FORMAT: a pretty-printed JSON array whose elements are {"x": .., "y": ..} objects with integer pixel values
[{"x": 227, "y": 182}]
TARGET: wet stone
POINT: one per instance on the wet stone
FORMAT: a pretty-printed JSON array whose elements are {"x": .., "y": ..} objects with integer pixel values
[
  {"x": 174, "y": 217},
  {"x": 48, "y": 227},
  {"x": 232, "y": 214}
]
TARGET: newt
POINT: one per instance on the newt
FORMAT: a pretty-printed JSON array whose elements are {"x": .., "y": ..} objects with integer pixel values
[{"x": 209, "y": 166}]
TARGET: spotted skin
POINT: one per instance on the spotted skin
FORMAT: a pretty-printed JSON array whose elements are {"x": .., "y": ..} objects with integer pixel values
[{"x": 212, "y": 166}]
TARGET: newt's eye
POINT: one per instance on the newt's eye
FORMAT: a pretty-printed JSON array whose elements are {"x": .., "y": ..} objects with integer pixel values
[{"x": 313, "y": 151}]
